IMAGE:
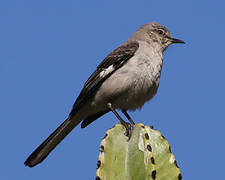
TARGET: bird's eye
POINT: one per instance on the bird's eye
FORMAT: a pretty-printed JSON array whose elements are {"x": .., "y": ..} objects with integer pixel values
[{"x": 161, "y": 32}]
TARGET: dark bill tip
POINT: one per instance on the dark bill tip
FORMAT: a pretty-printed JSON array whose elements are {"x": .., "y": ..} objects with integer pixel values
[{"x": 173, "y": 40}]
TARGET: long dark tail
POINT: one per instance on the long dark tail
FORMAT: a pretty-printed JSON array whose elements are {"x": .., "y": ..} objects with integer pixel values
[{"x": 51, "y": 142}]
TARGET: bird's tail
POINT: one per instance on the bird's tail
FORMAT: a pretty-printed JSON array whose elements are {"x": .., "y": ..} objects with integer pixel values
[{"x": 42, "y": 151}]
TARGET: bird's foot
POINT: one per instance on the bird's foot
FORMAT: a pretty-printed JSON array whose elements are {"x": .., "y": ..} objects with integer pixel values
[
  {"x": 129, "y": 129},
  {"x": 129, "y": 126}
]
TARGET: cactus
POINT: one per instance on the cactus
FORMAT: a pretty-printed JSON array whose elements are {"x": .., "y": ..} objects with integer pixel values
[{"x": 146, "y": 156}]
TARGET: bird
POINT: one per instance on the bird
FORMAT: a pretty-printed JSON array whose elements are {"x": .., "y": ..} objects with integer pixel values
[{"x": 125, "y": 80}]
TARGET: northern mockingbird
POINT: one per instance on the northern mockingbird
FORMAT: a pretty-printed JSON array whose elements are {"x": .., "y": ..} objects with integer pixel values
[{"x": 127, "y": 78}]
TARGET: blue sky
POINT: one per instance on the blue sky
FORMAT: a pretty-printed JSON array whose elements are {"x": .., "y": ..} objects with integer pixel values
[{"x": 49, "y": 48}]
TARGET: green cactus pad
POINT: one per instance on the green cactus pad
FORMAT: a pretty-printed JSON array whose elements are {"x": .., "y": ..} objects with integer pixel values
[{"x": 146, "y": 156}]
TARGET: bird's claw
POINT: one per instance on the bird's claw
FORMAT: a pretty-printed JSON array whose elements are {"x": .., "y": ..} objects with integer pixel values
[{"x": 129, "y": 128}]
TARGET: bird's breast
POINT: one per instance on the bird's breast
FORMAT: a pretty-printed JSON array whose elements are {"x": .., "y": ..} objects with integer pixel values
[{"x": 136, "y": 82}]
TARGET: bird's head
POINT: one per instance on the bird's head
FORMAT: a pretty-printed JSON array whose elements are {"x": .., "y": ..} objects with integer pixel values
[{"x": 154, "y": 32}]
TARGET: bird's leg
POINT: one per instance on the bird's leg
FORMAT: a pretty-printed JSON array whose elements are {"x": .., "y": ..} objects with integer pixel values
[
  {"x": 128, "y": 117},
  {"x": 127, "y": 125}
]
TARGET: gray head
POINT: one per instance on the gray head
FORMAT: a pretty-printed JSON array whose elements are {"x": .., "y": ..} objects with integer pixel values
[{"x": 155, "y": 33}]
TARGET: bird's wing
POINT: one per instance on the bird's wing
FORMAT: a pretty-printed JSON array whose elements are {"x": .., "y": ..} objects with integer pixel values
[
  {"x": 116, "y": 59},
  {"x": 110, "y": 64}
]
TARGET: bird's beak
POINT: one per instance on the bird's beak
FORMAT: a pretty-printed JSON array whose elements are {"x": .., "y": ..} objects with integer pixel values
[{"x": 173, "y": 40}]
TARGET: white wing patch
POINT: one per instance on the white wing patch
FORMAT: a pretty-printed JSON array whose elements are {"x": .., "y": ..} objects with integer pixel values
[{"x": 105, "y": 72}]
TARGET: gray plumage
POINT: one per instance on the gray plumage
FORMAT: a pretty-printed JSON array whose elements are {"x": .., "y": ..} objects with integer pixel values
[{"x": 127, "y": 78}]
